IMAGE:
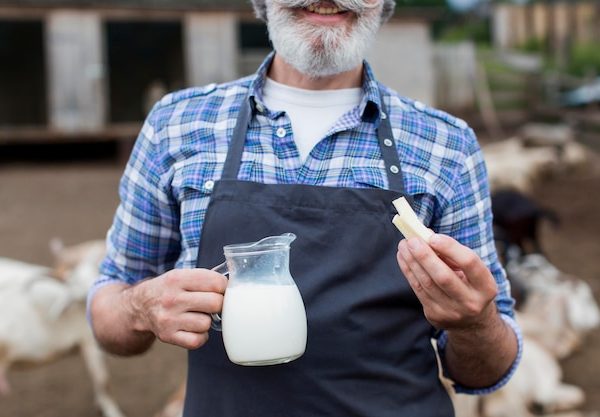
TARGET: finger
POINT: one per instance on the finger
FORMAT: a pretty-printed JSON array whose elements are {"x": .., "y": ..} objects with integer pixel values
[
  {"x": 428, "y": 304},
  {"x": 424, "y": 278},
  {"x": 200, "y": 302},
  {"x": 188, "y": 340},
  {"x": 198, "y": 280},
  {"x": 195, "y": 322},
  {"x": 408, "y": 274},
  {"x": 463, "y": 257},
  {"x": 442, "y": 275}
]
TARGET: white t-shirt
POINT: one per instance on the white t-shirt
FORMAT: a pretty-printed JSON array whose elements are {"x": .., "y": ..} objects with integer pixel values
[{"x": 312, "y": 112}]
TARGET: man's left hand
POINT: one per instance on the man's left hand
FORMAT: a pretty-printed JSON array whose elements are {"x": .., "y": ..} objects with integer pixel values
[{"x": 453, "y": 284}]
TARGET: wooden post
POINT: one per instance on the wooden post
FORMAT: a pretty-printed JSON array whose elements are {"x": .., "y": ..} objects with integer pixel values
[
  {"x": 211, "y": 47},
  {"x": 76, "y": 80}
]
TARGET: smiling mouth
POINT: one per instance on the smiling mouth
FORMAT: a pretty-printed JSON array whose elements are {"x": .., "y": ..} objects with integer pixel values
[{"x": 325, "y": 9}]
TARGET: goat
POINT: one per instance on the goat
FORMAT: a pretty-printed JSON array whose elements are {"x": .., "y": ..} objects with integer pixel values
[
  {"x": 559, "y": 310},
  {"x": 43, "y": 318},
  {"x": 536, "y": 384},
  {"x": 517, "y": 218},
  {"x": 511, "y": 163}
]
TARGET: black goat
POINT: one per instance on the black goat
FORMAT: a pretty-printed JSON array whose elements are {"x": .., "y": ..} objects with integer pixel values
[{"x": 516, "y": 222}]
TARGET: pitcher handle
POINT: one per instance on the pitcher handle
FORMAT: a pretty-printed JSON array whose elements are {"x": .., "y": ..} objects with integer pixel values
[{"x": 216, "y": 317}]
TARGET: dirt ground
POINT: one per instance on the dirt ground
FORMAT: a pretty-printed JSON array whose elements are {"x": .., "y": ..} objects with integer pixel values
[{"x": 76, "y": 201}]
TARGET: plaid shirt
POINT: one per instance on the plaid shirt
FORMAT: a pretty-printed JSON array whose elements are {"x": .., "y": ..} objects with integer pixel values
[{"x": 181, "y": 149}]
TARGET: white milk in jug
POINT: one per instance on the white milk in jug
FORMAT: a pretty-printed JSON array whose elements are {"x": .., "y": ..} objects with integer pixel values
[{"x": 263, "y": 323}]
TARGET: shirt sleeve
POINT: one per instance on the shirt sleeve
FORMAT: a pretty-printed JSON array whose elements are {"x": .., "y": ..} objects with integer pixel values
[
  {"x": 144, "y": 239},
  {"x": 468, "y": 218}
]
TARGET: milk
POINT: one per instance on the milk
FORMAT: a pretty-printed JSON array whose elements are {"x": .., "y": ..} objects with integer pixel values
[{"x": 263, "y": 324}]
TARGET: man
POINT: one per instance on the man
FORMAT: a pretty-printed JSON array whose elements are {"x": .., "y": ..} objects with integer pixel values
[{"x": 313, "y": 145}]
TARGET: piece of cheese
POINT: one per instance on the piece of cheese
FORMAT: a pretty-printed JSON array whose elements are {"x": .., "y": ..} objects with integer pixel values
[{"x": 407, "y": 221}]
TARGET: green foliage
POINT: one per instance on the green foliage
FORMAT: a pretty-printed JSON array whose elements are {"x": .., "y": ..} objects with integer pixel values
[
  {"x": 421, "y": 3},
  {"x": 585, "y": 59},
  {"x": 533, "y": 45},
  {"x": 477, "y": 31}
]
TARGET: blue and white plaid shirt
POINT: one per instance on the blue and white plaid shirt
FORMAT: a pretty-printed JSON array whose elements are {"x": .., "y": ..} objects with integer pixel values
[{"x": 181, "y": 150}]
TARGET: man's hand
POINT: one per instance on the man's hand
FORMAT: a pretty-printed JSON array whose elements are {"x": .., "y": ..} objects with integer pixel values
[
  {"x": 457, "y": 292},
  {"x": 174, "y": 307},
  {"x": 454, "y": 286}
]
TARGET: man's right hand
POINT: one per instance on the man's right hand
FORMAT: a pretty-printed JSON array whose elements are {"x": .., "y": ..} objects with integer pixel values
[{"x": 176, "y": 306}]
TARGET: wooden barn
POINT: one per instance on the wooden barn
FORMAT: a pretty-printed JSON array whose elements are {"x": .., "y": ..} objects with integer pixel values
[{"x": 89, "y": 70}]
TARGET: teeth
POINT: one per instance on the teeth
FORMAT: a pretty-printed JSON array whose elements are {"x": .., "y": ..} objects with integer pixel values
[{"x": 323, "y": 10}]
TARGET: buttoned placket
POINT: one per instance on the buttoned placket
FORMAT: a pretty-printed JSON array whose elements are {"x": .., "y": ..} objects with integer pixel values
[{"x": 278, "y": 126}]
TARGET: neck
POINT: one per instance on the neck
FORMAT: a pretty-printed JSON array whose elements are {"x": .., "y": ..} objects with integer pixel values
[{"x": 284, "y": 73}]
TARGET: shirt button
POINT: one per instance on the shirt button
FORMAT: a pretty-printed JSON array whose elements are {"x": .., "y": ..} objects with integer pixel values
[
  {"x": 388, "y": 142},
  {"x": 383, "y": 116},
  {"x": 281, "y": 132},
  {"x": 394, "y": 169},
  {"x": 209, "y": 185},
  {"x": 419, "y": 106},
  {"x": 260, "y": 108}
]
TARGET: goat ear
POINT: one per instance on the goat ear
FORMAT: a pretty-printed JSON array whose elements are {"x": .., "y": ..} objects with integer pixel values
[{"x": 56, "y": 246}]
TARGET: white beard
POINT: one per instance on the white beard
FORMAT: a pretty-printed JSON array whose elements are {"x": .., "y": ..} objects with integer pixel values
[{"x": 320, "y": 51}]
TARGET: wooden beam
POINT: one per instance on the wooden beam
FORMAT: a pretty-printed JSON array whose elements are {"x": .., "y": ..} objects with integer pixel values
[{"x": 32, "y": 135}]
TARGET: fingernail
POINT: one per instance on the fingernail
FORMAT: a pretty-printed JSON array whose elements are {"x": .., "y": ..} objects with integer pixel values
[{"x": 414, "y": 243}]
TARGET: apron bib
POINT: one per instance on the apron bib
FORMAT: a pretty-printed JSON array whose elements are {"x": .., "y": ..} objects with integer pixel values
[{"x": 368, "y": 350}]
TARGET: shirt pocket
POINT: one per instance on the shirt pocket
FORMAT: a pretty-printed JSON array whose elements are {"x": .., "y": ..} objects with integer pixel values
[
  {"x": 369, "y": 177},
  {"x": 421, "y": 193}
]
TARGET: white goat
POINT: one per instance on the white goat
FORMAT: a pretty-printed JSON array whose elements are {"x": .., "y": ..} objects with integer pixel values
[
  {"x": 560, "y": 309},
  {"x": 42, "y": 318},
  {"x": 513, "y": 164}
]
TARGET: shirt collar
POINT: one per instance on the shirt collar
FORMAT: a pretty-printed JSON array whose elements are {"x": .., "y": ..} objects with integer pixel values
[{"x": 369, "y": 107}]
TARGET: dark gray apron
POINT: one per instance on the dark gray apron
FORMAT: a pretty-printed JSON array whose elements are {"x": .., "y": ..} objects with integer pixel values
[{"x": 368, "y": 351}]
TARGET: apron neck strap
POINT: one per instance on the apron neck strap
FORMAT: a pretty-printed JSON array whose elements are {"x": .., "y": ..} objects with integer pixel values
[
  {"x": 236, "y": 145},
  {"x": 387, "y": 145}
]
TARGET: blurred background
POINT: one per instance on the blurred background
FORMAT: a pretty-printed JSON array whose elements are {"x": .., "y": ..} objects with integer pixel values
[{"x": 78, "y": 76}]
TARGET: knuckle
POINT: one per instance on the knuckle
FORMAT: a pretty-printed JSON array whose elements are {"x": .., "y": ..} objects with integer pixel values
[
  {"x": 168, "y": 301},
  {"x": 173, "y": 277},
  {"x": 445, "y": 279},
  {"x": 427, "y": 283},
  {"x": 416, "y": 285},
  {"x": 472, "y": 260},
  {"x": 164, "y": 336},
  {"x": 214, "y": 303},
  {"x": 198, "y": 340},
  {"x": 473, "y": 309},
  {"x": 204, "y": 323},
  {"x": 162, "y": 320},
  {"x": 433, "y": 316},
  {"x": 420, "y": 255},
  {"x": 217, "y": 284},
  {"x": 493, "y": 291}
]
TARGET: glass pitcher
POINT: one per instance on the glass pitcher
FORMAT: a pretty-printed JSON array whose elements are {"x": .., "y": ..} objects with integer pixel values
[{"x": 263, "y": 319}]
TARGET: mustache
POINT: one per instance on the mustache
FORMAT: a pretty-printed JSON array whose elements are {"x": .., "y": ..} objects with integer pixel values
[{"x": 356, "y": 6}]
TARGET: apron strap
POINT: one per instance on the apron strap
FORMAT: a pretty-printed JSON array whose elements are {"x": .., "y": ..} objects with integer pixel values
[
  {"x": 236, "y": 145},
  {"x": 387, "y": 146}
]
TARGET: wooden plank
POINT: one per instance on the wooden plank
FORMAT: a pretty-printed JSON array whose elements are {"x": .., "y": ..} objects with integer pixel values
[
  {"x": 33, "y": 135},
  {"x": 76, "y": 71},
  {"x": 210, "y": 47}
]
